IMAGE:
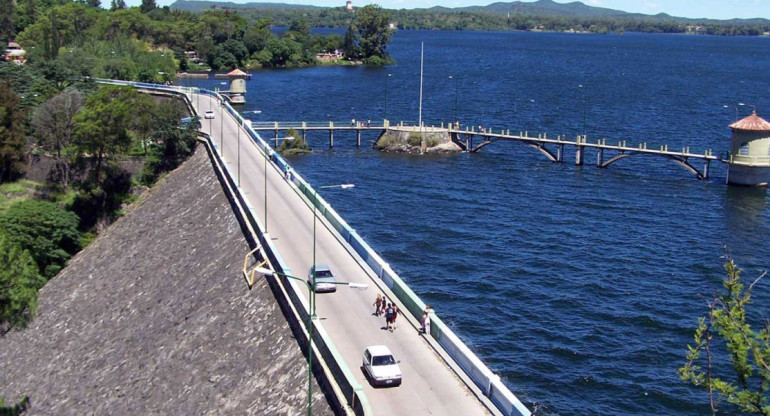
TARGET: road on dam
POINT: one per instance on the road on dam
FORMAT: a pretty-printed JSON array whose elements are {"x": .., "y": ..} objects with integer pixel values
[{"x": 430, "y": 386}]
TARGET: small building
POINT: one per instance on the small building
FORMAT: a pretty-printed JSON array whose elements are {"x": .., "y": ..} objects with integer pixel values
[
  {"x": 749, "y": 162},
  {"x": 330, "y": 56},
  {"x": 237, "y": 91},
  {"x": 14, "y": 53}
]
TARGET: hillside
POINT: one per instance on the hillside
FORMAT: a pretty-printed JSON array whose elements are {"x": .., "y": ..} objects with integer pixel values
[
  {"x": 573, "y": 9},
  {"x": 154, "y": 318}
]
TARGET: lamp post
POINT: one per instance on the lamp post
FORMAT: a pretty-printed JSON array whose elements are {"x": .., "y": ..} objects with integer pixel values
[
  {"x": 585, "y": 108},
  {"x": 387, "y": 78},
  {"x": 457, "y": 89},
  {"x": 310, "y": 317}
]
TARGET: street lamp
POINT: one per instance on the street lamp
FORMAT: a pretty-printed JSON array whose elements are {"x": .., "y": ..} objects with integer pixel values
[
  {"x": 385, "y": 117},
  {"x": 585, "y": 108},
  {"x": 457, "y": 89},
  {"x": 310, "y": 317}
]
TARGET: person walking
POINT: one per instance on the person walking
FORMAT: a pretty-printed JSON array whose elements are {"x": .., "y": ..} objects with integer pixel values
[
  {"x": 389, "y": 317},
  {"x": 378, "y": 305},
  {"x": 395, "y": 315},
  {"x": 425, "y": 321}
]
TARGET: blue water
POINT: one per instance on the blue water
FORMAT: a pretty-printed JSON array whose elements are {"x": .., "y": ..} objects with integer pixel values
[{"x": 579, "y": 286}]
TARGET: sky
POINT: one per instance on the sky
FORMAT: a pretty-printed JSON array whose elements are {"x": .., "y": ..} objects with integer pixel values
[{"x": 712, "y": 9}]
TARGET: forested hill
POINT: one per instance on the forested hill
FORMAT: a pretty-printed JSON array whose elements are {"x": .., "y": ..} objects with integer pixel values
[{"x": 518, "y": 15}]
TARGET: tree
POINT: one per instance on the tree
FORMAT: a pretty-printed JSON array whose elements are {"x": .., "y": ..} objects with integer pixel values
[
  {"x": 349, "y": 44},
  {"x": 12, "y": 137},
  {"x": 54, "y": 124},
  {"x": 101, "y": 128},
  {"x": 19, "y": 285},
  {"x": 148, "y": 6},
  {"x": 171, "y": 144},
  {"x": 374, "y": 31},
  {"x": 47, "y": 231},
  {"x": 256, "y": 36},
  {"x": 7, "y": 19},
  {"x": 748, "y": 351}
]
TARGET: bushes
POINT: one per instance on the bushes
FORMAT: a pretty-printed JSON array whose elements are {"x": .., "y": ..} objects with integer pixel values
[
  {"x": 48, "y": 232},
  {"x": 296, "y": 146},
  {"x": 19, "y": 283},
  {"x": 415, "y": 139}
]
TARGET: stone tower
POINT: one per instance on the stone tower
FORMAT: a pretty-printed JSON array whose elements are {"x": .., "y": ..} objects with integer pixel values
[
  {"x": 237, "y": 86},
  {"x": 749, "y": 162}
]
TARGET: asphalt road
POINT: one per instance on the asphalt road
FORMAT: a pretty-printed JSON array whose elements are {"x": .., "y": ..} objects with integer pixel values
[{"x": 429, "y": 386}]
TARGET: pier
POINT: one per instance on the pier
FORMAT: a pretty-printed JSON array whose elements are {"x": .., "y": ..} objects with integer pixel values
[{"x": 553, "y": 148}]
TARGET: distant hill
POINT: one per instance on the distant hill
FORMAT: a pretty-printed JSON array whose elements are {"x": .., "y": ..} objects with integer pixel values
[
  {"x": 200, "y": 5},
  {"x": 574, "y": 9}
]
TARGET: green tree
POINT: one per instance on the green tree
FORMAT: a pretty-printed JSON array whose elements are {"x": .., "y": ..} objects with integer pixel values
[
  {"x": 257, "y": 35},
  {"x": 349, "y": 44},
  {"x": 726, "y": 328},
  {"x": 12, "y": 137},
  {"x": 54, "y": 125},
  {"x": 374, "y": 31},
  {"x": 148, "y": 6},
  {"x": 101, "y": 128},
  {"x": 47, "y": 231},
  {"x": 7, "y": 19},
  {"x": 171, "y": 144},
  {"x": 19, "y": 285}
]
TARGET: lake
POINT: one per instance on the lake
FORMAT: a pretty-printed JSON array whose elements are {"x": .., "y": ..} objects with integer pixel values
[{"x": 579, "y": 286}]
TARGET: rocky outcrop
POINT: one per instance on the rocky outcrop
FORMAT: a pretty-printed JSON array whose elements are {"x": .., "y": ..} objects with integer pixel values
[
  {"x": 413, "y": 140},
  {"x": 154, "y": 318}
]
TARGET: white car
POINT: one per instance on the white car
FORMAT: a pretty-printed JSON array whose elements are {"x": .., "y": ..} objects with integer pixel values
[
  {"x": 208, "y": 114},
  {"x": 381, "y": 367},
  {"x": 324, "y": 279}
]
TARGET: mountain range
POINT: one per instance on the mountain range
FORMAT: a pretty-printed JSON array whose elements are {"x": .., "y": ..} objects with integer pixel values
[{"x": 537, "y": 8}]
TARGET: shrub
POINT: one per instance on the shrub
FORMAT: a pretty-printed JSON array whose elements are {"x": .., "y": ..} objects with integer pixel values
[
  {"x": 415, "y": 139},
  {"x": 19, "y": 283},
  {"x": 296, "y": 146},
  {"x": 103, "y": 202},
  {"x": 49, "y": 232}
]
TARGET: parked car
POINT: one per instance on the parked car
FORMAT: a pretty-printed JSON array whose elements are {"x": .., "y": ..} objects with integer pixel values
[
  {"x": 324, "y": 278},
  {"x": 208, "y": 114},
  {"x": 380, "y": 366}
]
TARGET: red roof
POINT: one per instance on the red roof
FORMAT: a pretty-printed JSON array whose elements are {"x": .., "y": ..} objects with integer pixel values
[
  {"x": 751, "y": 123},
  {"x": 236, "y": 73}
]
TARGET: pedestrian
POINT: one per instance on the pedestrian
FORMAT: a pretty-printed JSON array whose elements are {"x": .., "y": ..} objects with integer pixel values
[
  {"x": 395, "y": 315},
  {"x": 353, "y": 122},
  {"x": 369, "y": 123},
  {"x": 425, "y": 321},
  {"x": 389, "y": 317},
  {"x": 378, "y": 305}
]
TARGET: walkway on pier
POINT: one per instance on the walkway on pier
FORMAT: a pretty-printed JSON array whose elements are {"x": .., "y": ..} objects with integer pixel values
[{"x": 472, "y": 140}]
